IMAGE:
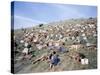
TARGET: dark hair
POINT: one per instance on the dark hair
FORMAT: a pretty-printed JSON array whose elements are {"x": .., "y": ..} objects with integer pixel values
[
  {"x": 54, "y": 52},
  {"x": 47, "y": 44},
  {"x": 50, "y": 56},
  {"x": 63, "y": 43},
  {"x": 82, "y": 55},
  {"x": 40, "y": 25}
]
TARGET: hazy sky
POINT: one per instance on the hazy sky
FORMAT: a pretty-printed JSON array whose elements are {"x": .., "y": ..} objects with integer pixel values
[{"x": 28, "y": 14}]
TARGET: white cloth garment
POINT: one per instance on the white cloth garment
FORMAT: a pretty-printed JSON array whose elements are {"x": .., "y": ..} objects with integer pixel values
[{"x": 84, "y": 61}]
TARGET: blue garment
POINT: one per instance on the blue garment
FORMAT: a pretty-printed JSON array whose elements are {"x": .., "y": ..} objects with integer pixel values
[
  {"x": 55, "y": 60},
  {"x": 62, "y": 49},
  {"x": 50, "y": 47}
]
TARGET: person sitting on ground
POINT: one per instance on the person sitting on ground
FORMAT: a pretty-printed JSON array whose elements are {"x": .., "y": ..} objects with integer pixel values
[
  {"x": 78, "y": 56},
  {"x": 63, "y": 49},
  {"x": 54, "y": 60}
]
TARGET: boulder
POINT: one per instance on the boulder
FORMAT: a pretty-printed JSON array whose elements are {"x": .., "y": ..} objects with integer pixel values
[
  {"x": 25, "y": 51},
  {"x": 26, "y": 44},
  {"x": 88, "y": 44},
  {"x": 21, "y": 41},
  {"x": 39, "y": 46},
  {"x": 83, "y": 34}
]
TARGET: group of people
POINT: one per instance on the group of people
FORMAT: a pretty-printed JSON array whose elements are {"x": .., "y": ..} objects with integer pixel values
[{"x": 55, "y": 37}]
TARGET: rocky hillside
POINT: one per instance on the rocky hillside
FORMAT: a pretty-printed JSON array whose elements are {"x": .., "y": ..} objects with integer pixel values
[{"x": 74, "y": 41}]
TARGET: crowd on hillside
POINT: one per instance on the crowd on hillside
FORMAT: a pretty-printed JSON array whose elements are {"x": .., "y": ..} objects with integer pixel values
[{"x": 58, "y": 38}]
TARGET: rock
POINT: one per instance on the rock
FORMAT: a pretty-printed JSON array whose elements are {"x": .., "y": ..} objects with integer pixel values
[
  {"x": 94, "y": 34},
  {"x": 88, "y": 44},
  {"x": 73, "y": 29},
  {"x": 56, "y": 44},
  {"x": 50, "y": 29},
  {"x": 76, "y": 46},
  {"x": 63, "y": 40},
  {"x": 85, "y": 38},
  {"x": 73, "y": 38},
  {"x": 26, "y": 34},
  {"x": 31, "y": 34},
  {"x": 82, "y": 31},
  {"x": 35, "y": 40},
  {"x": 26, "y": 44},
  {"x": 39, "y": 46},
  {"x": 78, "y": 39},
  {"x": 25, "y": 51},
  {"x": 83, "y": 28},
  {"x": 68, "y": 38},
  {"x": 22, "y": 41},
  {"x": 83, "y": 34},
  {"x": 51, "y": 35},
  {"x": 19, "y": 58},
  {"x": 50, "y": 44}
]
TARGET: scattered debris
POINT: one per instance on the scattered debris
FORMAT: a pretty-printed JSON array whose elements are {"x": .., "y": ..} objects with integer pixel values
[
  {"x": 61, "y": 40},
  {"x": 25, "y": 51}
]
